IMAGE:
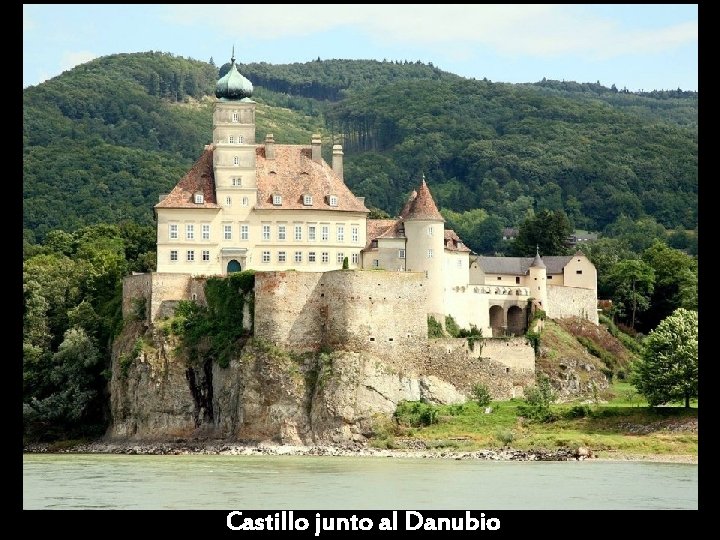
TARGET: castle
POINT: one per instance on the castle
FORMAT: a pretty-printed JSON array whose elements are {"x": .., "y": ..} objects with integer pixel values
[{"x": 273, "y": 208}]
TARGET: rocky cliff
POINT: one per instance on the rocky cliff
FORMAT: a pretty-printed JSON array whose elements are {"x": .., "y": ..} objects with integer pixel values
[{"x": 265, "y": 394}]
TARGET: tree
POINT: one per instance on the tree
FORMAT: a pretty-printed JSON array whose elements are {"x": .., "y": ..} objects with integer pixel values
[
  {"x": 632, "y": 282},
  {"x": 668, "y": 368},
  {"x": 481, "y": 395},
  {"x": 547, "y": 231}
]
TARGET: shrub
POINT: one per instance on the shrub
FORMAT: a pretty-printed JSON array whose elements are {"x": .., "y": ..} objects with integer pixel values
[
  {"x": 481, "y": 395},
  {"x": 415, "y": 413},
  {"x": 537, "y": 401},
  {"x": 505, "y": 436},
  {"x": 346, "y": 264},
  {"x": 434, "y": 328},
  {"x": 451, "y": 326}
]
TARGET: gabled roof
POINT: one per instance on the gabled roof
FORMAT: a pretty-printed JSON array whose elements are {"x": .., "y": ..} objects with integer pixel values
[
  {"x": 293, "y": 174},
  {"x": 199, "y": 178},
  {"x": 383, "y": 228},
  {"x": 518, "y": 266},
  {"x": 420, "y": 205},
  {"x": 453, "y": 242}
]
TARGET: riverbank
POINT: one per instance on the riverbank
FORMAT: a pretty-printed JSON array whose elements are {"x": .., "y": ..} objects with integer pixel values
[{"x": 355, "y": 450}]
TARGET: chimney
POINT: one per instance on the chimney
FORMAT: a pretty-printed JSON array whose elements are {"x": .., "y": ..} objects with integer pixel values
[
  {"x": 337, "y": 160},
  {"x": 269, "y": 146},
  {"x": 316, "y": 147}
]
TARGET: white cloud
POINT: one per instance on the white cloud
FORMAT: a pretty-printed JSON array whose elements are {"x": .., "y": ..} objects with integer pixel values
[
  {"x": 528, "y": 29},
  {"x": 71, "y": 59}
]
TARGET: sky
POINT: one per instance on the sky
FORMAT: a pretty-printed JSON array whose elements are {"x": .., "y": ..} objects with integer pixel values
[{"x": 639, "y": 47}]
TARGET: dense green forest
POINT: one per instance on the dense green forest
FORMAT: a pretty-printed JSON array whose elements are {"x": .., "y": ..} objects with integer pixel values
[{"x": 102, "y": 141}]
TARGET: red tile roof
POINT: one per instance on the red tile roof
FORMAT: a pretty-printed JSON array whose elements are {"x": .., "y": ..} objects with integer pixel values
[
  {"x": 453, "y": 242},
  {"x": 421, "y": 205},
  {"x": 199, "y": 178},
  {"x": 293, "y": 174},
  {"x": 383, "y": 228}
]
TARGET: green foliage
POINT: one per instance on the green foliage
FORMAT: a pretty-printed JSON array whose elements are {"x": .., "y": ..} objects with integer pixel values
[
  {"x": 217, "y": 327},
  {"x": 537, "y": 401},
  {"x": 547, "y": 231},
  {"x": 415, "y": 413},
  {"x": 505, "y": 436},
  {"x": 345, "y": 264},
  {"x": 628, "y": 341},
  {"x": 435, "y": 329},
  {"x": 139, "y": 308},
  {"x": 668, "y": 368},
  {"x": 596, "y": 350},
  {"x": 451, "y": 326},
  {"x": 481, "y": 395},
  {"x": 632, "y": 282},
  {"x": 473, "y": 335}
]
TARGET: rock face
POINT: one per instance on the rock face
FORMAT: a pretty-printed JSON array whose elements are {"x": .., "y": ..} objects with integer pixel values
[{"x": 265, "y": 394}]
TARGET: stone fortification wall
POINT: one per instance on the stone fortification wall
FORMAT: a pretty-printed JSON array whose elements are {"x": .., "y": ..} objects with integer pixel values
[
  {"x": 343, "y": 309},
  {"x": 571, "y": 302}
]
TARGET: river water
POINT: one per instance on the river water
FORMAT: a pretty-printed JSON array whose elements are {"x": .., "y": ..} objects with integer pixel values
[{"x": 77, "y": 481}]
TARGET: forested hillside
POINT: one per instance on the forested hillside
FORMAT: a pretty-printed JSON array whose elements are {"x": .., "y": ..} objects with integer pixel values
[{"x": 104, "y": 139}]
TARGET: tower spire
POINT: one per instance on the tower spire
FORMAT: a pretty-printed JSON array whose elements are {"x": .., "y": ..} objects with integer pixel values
[{"x": 232, "y": 58}]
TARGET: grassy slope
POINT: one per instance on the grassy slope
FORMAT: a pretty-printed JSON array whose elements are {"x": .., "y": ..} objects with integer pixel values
[{"x": 617, "y": 422}]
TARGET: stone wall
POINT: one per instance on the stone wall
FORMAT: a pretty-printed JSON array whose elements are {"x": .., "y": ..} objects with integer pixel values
[
  {"x": 134, "y": 287},
  {"x": 342, "y": 309},
  {"x": 516, "y": 354},
  {"x": 565, "y": 302}
]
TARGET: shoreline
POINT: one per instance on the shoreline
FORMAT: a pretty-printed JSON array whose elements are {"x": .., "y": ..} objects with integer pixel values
[{"x": 356, "y": 450}]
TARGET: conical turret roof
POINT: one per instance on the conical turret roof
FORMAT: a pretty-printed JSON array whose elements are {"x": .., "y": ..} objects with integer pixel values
[
  {"x": 421, "y": 205},
  {"x": 537, "y": 261}
]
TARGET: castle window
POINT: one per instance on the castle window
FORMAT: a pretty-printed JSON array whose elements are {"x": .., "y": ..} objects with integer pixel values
[
  {"x": 311, "y": 233},
  {"x": 332, "y": 200},
  {"x": 340, "y": 233},
  {"x": 578, "y": 271},
  {"x": 277, "y": 200},
  {"x": 266, "y": 256},
  {"x": 206, "y": 255},
  {"x": 324, "y": 233},
  {"x": 430, "y": 230},
  {"x": 227, "y": 232},
  {"x": 298, "y": 232},
  {"x": 190, "y": 255},
  {"x": 298, "y": 256},
  {"x": 241, "y": 139},
  {"x": 354, "y": 235},
  {"x": 372, "y": 339},
  {"x": 173, "y": 255},
  {"x": 237, "y": 182},
  {"x": 205, "y": 231},
  {"x": 244, "y": 232},
  {"x": 228, "y": 201},
  {"x": 236, "y": 160},
  {"x": 355, "y": 258},
  {"x": 173, "y": 231},
  {"x": 281, "y": 256},
  {"x": 325, "y": 257},
  {"x": 199, "y": 198},
  {"x": 401, "y": 253},
  {"x": 517, "y": 280},
  {"x": 340, "y": 257},
  {"x": 459, "y": 263},
  {"x": 499, "y": 278},
  {"x": 281, "y": 232},
  {"x": 235, "y": 117},
  {"x": 266, "y": 232},
  {"x": 430, "y": 253},
  {"x": 311, "y": 256},
  {"x": 245, "y": 201},
  {"x": 189, "y": 231},
  {"x": 376, "y": 263},
  {"x": 549, "y": 277},
  {"x": 231, "y": 139},
  {"x": 307, "y": 200}
]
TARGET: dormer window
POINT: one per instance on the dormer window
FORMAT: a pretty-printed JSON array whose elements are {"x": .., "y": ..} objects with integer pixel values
[
  {"x": 199, "y": 198},
  {"x": 277, "y": 200},
  {"x": 333, "y": 200},
  {"x": 307, "y": 200}
]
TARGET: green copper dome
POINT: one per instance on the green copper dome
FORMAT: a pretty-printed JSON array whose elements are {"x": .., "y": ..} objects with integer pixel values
[{"x": 233, "y": 85}]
